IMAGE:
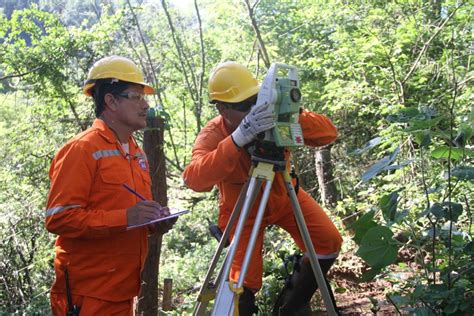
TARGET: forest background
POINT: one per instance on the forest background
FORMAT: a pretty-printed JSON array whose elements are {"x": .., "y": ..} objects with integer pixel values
[{"x": 394, "y": 76}]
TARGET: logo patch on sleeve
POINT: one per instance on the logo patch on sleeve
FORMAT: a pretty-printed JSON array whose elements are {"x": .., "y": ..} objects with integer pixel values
[{"x": 142, "y": 163}]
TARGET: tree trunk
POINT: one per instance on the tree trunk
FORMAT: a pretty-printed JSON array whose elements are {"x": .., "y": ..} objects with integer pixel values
[
  {"x": 327, "y": 186},
  {"x": 153, "y": 146}
]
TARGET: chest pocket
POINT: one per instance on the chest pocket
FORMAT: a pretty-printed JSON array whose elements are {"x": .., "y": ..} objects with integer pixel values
[
  {"x": 114, "y": 172},
  {"x": 143, "y": 179}
]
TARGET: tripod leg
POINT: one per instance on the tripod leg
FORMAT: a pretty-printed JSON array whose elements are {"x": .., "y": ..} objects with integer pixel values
[
  {"x": 251, "y": 196},
  {"x": 207, "y": 292},
  {"x": 226, "y": 292},
  {"x": 255, "y": 230},
  {"x": 318, "y": 273},
  {"x": 247, "y": 299}
]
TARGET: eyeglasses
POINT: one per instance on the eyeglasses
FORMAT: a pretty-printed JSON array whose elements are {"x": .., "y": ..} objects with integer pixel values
[
  {"x": 133, "y": 96},
  {"x": 241, "y": 107}
]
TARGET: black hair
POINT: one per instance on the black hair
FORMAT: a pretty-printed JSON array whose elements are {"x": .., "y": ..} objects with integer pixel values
[
  {"x": 242, "y": 106},
  {"x": 104, "y": 86}
]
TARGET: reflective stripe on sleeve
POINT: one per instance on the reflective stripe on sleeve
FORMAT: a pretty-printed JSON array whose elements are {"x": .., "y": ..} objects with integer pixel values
[
  {"x": 59, "y": 209},
  {"x": 106, "y": 153}
]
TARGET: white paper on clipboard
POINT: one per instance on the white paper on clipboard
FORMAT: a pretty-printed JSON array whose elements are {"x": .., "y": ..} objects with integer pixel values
[{"x": 160, "y": 219}]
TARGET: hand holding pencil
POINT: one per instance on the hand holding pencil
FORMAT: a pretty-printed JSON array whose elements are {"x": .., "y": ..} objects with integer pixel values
[{"x": 146, "y": 211}]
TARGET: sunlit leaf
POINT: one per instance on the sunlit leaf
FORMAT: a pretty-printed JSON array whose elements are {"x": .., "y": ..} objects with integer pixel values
[
  {"x": 378, "y": 248},
  {"x": 362, "y": 225},
  {"x": 423, "y": 138},
  {"x": 379, "y": 166},
  {"x": 404, "y": 115},
  {"x": 423, "y": 124},
  {"x": 444, "y": 152},
  {"x": 388, "y": 204},
  {"x": 370, "y": 144},
  {"x": 399, "y": 166}
]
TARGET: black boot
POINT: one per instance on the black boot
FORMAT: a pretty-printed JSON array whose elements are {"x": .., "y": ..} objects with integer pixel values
[
  {"x": 295, "y": 296},
  {"x": 247, "y": 305}
]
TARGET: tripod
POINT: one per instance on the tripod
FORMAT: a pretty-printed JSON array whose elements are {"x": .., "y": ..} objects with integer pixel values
[{"x": 264, "y": 167}]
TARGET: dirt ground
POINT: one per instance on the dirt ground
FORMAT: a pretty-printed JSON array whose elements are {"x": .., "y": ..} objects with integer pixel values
[
  {"x": 353, "y": 297},
  {"x": 355, "y": 300}
]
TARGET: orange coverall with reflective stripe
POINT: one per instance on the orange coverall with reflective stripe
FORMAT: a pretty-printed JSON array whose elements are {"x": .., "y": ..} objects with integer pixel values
[
  {"x": 217, "y": 161},
  {"x": 87, "y": 209}
]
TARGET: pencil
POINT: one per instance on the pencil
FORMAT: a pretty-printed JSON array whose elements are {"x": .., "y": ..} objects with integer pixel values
[{"x": 133, "y": 192}]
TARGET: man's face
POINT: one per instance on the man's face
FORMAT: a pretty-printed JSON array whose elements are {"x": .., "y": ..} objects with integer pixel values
[
  {"x": 131, "y": 108},
  {"x": 232, "y": 117}
]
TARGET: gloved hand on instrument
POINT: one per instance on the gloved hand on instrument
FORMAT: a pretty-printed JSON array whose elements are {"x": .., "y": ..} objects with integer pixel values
[{"x": 259, "y": 119}]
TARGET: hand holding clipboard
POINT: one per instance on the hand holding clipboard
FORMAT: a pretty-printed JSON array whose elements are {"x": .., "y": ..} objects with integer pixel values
[{"x": 171, "y": 218}]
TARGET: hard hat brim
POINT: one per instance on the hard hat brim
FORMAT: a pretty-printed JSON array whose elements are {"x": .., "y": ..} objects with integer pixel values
[
  {"x": 237, "y": 98},
  {"x": 147, "y": 89}
]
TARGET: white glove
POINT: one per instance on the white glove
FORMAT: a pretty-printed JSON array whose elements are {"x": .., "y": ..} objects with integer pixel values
[{"x": 259, "y": 119}]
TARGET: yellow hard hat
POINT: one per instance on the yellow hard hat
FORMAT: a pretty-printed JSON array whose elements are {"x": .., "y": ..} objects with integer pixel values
[
  {"x": 231, "y": 82},
  {"x": 115, "y": 67}
]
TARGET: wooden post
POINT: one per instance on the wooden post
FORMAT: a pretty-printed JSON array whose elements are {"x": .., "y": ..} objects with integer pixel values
[
  {"x": 327, "y": 186},
  {"x": 166, "y": 305},
  {"x": 153, "y": 146}
]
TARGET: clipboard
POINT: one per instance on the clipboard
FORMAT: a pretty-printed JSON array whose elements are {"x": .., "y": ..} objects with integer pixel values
[{"x": 160, "y": 219}]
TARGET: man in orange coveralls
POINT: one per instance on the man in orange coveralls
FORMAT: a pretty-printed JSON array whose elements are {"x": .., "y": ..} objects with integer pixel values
[
  {"x": 219, "y": 158},
  {"x": 88, "y": 205}
]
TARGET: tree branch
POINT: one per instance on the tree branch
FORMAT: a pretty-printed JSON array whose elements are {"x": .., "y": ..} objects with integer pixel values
[
  {"x": 155, "y": 79},
  {"x": 261, "y": 44},
  {"x": 21, "y": 74},
  {"x": 160, "y": 98},
  {"x": 427, "y": 44},
  {"x": 179, "y": 49},
  {"x": 203, "y": 67}
]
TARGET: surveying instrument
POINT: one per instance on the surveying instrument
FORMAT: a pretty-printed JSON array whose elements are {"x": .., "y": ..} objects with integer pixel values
[{"x": 268, "y": 157}]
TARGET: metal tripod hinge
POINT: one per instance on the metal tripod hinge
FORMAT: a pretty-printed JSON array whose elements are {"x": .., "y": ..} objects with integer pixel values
[{"x": 225, "y": 292}]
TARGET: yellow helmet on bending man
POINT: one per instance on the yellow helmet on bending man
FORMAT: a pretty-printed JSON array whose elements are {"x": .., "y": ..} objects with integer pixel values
[{"x": 231, "y": 82}]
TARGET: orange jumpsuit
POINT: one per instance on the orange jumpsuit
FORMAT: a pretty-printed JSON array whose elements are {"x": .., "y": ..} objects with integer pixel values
[
  {"x": 217, "y": 161},
  {"x": 87, "y": 208}
]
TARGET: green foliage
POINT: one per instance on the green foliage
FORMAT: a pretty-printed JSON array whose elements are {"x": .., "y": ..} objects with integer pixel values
[
  {"x": 26, "y": 252},
  {"x": 395, "y": 77},
  {"x": 443, "y": 288}
]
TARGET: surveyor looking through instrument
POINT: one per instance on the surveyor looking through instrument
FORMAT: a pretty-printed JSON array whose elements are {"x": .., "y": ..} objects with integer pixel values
[
  {"x": 98, "y": 260},
  {"x": 219, "y": 158}
]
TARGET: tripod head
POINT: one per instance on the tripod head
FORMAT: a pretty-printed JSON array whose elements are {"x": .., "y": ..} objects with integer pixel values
[{"x": 265, "y": 151}]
